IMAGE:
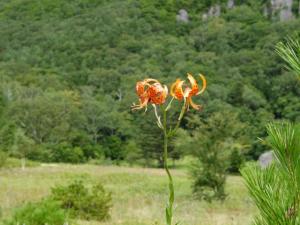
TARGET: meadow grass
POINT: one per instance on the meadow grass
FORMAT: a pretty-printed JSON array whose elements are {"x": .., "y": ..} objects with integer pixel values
[{"x": 139, "y": 194}]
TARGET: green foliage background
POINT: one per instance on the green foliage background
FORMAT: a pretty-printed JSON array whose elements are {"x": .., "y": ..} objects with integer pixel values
[{"x": 68, "y": 71}]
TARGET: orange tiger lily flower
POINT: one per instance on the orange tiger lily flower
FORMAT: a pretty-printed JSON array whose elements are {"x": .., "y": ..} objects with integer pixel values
[
  {"x": 150, "y": 91},
  {"x": 179, "y": 91}
]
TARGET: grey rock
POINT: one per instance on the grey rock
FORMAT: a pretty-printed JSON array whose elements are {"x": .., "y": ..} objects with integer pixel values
[
  {"x": 282, "y": 8},
  {"x": 214, "y": 11},
  {"x": 266, "y": 159},
  {"x": 182, "y": 16},
  {"x": 230, "y": 4}
]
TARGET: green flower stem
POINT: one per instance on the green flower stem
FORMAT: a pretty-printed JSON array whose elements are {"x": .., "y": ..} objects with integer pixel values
[
  {"x": 167, "y": 135},
  {"x": 172, "y": 132},
  {"x": 169, "y": 104},
  {"x": 169, "y": 208}
]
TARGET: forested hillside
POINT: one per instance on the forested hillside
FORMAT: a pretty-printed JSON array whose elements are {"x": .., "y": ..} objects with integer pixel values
[{"x": 68, "y": 71}]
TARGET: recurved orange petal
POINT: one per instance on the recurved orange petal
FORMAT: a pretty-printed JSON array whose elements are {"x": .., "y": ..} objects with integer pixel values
[
  {"x": 191, "y": 103},
  {"x": 143, "y": 100},
  {"x": 194, "y": 86},
  {"x": 150, "y": 80},
  {"x": 204, "y": 83},
  {"x": 140, "y": 88},
  {"x": 176, "y": 89}
]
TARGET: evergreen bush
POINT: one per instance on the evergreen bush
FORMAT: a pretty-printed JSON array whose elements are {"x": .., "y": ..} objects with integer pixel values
[
  {"x": 275, "y": 189},
  {"x": 80, "y": 201},
  {"x": 236, "y": 160},
  {"x": 209, "y": 178},
  {"x": 39, "y": 213}
]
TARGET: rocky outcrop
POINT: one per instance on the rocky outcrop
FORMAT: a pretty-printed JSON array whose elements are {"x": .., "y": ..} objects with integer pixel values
[
  {"x": 230, "y": 4},
  {"x": 275, "y": 9},
  {"x": 182, "y": 16},
  {"x": 214, "y": 11},
  {"x": 282, "y": 9}
]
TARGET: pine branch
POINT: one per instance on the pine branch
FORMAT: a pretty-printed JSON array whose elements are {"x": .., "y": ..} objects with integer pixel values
[{"x": 290, "y": 53}]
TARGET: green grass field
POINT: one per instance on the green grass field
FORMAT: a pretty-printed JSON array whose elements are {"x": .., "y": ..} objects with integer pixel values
[{"x": 139, "y": 195}]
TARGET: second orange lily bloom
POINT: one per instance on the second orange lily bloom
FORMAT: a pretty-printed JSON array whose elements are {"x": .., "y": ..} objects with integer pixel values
[
  {"x": 152, "y": 91},
  {"x": 180, "y": 91}
]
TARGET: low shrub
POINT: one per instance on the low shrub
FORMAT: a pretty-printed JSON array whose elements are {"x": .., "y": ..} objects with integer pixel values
[
  {"x": 86, "y": 203},
  {"x": 209, "y": 179},
  {"x": 236, "y": 160},
  {"x": 44, "y": 212}
]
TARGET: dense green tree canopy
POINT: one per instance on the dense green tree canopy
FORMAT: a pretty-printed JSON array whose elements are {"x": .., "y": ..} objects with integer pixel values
[{"x": 68, "y": 70}]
